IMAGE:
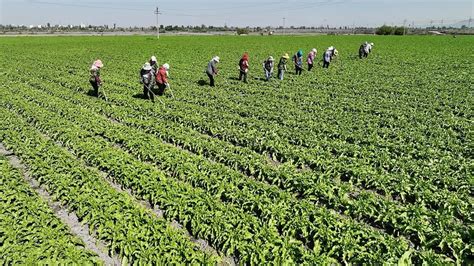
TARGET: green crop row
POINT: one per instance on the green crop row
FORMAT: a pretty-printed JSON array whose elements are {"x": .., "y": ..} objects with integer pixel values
[
  {"x": 30, "y": 233},
  {"x": 330, "y": 144},
  {"x": 127, "y": 229},
  {"x": 300, "y": 219},
  {"x": 225, "y": 227},
  {"x": 407, "y": 220},
  {"x": 422, "y": 191}
]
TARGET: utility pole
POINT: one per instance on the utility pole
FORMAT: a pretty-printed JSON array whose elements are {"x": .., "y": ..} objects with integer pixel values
[
  {"x": 284, "y": 20},
  {"x": 404, "y": 28},
  {"x": 157, "y": 13}
]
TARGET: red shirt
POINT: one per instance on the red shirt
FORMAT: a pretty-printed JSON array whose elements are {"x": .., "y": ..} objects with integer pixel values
[{"x": 161, "y": 76}]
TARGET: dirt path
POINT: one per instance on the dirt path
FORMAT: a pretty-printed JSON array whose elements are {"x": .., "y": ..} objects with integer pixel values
[{"x": 68, "y": 218}]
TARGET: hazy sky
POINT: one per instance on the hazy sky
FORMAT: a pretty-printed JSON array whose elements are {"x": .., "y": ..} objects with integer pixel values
[{"x": 236, "y": 13}]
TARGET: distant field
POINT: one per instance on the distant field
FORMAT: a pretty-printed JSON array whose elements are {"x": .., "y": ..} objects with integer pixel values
[{"x": 368, "y": 162}]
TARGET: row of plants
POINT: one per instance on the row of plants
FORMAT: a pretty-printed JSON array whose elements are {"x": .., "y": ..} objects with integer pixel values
[
  {"x": 408, "y": 149},
  {"x": 410, "y": 221},
  {"x": 297, "y": 218},
  {"x": 30, "y": 233},
  {"x": 126, "y": 228},
  {"x": 400, "y": 187},
  {"x": 226, "y": 227}
]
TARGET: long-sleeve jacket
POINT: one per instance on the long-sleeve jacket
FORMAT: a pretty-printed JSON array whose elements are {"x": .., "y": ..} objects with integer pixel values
[
  {"x": 298, "y": 60},
  {"x": 146, "y": 76},
  {"x": 161, "y": 76},
  {"x": 328, "y": 56},
  {"x": 244, "y": 65},
  {"x": 311, "y": 57},
  {"x": 95, "y": 75},
  {"x": 154, "y": 65},
  {"x": 212, "y": 68},
  {"x": 268, "y": 65},
  {"x": 282, "y": 63},
  {"x": 368, "y": 48}
]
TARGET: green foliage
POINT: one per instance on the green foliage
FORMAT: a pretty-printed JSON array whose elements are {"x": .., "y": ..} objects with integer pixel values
[
  {"x": 388, "y": 30},
  {"x": 366, "y": 162},
  {"x": 399, "y": 30},
  {"x": 384, "y": 30},
  {"x": 242, "y": 31},
  {"x": 29, "y": 231}
]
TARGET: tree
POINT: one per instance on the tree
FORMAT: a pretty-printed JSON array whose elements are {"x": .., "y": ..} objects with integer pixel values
[
  {"x": 384, "y": 30},
  {"x": 399, "y": 31},
  {"x": 241, "y": 31}
]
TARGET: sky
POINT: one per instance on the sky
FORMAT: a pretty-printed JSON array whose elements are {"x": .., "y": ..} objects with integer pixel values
[{"x": 237, "y": 12}]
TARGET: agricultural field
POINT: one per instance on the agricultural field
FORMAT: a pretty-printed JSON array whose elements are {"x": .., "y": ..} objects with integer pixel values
[{"x": 367, "y": 162}]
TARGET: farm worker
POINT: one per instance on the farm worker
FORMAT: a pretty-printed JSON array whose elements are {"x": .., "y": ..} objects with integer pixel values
[
  {"x": 94, "y": 79},
  {"x": 298, "y": 60},
  {"x": 162, "y": 78},
  {"x": 154, "y": 63},
  {"x": 268, "y": 67},
  {"x": 212, "y": 70},
  {"x": 311, "y": 57},
  {"x": 244, "y": 67},
  {"x": 368, "y": 48},
  {"x": 328, "y": 56},
  {"x": 282, "y": 66},
  {"x": 146, "y": 75},
  {"x": 365, "y": 49},
  {"x": 362, "y": 50}
]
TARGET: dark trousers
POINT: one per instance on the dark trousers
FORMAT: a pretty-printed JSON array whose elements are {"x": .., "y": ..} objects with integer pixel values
[
  {"x": 310, "y": 66},
  {"x": 161, "y": 88},
  {"x": 95, "y": 86},
  {"x": 281, "y": 74},
  {"x": 325, "y": 64},
  {"x": 211, "y": 80},
  {"x": 243, "y": 75},
  {"x": 147, "y": 93},
  {"x": 299, "y": 70}
]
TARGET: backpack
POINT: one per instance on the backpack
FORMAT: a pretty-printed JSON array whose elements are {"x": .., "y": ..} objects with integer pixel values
[{"x": 146, "y": 77}]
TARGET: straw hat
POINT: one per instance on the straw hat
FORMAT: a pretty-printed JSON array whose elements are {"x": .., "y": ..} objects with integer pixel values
[
  {"x": 147, "y": 66},
  {"x": 216, "y": 59},
  {"x": 98, "y": 63},
  {"x": 270, "y": 58},
  {"x": 153, "y": 59},
  {"x": 166, "y": 66},
  {"x": 314, "y": 50},
  {"x": 286, "y": 56}
]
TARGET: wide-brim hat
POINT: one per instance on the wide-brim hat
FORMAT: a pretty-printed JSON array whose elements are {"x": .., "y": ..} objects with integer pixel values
[
  {"x": 98, "y": 63},
  {"x": 286, "y": 56},
  {"x": 147, "y": 66},
  {"x": 271, "y": 58}
]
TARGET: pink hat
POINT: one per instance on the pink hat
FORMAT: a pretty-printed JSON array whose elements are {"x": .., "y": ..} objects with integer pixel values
[{"x": 98, "y": 63}]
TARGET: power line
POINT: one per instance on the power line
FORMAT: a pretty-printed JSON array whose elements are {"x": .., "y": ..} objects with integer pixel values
[{"x": 87, "y": 6}]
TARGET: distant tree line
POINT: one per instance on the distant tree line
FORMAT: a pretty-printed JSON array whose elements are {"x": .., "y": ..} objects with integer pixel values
[
  {"x": 388, "y": 30},
  {"x": 383, "y": 30}
]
